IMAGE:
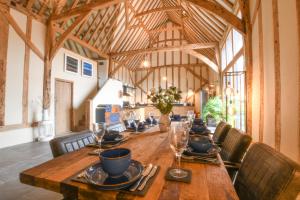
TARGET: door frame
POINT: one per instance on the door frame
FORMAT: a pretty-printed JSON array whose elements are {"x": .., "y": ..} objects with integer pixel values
[{"x": 72, "y": 124}]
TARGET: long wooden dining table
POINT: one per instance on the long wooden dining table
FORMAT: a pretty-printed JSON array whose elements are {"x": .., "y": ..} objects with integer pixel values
[{"x": 209, "y": 182}]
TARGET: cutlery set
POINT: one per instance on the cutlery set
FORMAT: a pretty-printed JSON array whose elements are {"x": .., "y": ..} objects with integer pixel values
[
  {"x": 148, "y": 172},
  {"x": 201, "y": 158}
]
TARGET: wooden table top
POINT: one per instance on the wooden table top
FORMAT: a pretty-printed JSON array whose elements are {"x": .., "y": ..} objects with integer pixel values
[{"x": 209, "y": 182}]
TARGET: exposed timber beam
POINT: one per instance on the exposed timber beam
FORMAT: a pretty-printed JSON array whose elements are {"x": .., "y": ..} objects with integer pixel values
[
  {"x": 67, "y": 33},
  {"x": 221, "y": 12},
  {"x": 204, "y": 59},
  {"x": 96, "y": 5},
  {"x": 168, "y": 66},
  {"x": 100, "y": 53},
  {"x": 155, "y": 10},
  {"x": 19, "y": 31},
  {"x": 158, "y": 30},
  {"x": 168, "y": 48}
]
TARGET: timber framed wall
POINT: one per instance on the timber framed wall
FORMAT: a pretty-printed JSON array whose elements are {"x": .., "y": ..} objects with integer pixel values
[
  {"x": 180, "y": 69},
  {"x": 21, "y": 80},
  {"x": 275, "y": 105}
]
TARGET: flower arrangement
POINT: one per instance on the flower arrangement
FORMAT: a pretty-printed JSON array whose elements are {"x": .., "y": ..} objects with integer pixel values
[{"x": 163, "y": 99}]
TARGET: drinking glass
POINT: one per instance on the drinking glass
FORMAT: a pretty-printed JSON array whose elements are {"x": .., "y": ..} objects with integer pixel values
[
  {"x": 98, "y": 133},
  {"x": 178, "y": 137},
  {"x": 190, "y": 119},
  {"x": 151, "y": 118}
]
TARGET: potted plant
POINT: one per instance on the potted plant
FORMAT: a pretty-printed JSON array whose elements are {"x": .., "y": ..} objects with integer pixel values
[
  {"x": 163, "y": 100},
  {"x": 213, "y": 109}
]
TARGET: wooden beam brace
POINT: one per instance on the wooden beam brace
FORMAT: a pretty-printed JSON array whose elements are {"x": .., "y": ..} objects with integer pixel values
[
  {"x": 26, "y": 73},
  {"x": 168, "y": 48},
  {"x": 196, "y": 75},
  {"x": 163, "y": 29},
  {"x": 19, "y": 31},
  {"x": 167, "y": 66},
  {"x": 204, "y": 59},
  {"x": 155, "y": 10},
  {"x": 67, "y": 33},
  {"x": 145, "y": 77},
  {"x": 221, "y": 12},
  {"x": 101, "y": 54},
  {"x": 95, "y": 5},
  {"x": 234, "y": 59},
  {"x": 123, "y": 63}
]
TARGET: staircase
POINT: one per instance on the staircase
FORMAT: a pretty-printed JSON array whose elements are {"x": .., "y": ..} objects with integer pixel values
[{"x": 81, "y": 125}]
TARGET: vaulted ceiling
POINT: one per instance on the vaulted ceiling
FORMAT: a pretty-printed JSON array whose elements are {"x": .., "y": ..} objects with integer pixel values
[{"x": 124, "y": 30}]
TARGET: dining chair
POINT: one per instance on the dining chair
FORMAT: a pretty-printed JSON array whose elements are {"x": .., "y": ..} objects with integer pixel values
[
  {"x": 233, "y": 149},
  {"x": 69, "y": 143},
  {"x": 221, "y": 132},
  {"x": 266, "y": 174}
]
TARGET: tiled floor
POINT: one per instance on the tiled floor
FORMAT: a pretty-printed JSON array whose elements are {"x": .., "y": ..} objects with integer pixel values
[{"x": 15, "y": 159}]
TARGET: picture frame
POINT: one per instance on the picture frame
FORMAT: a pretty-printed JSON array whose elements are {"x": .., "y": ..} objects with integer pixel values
[
  {"x": 87, "y": 68},
  {"x": 71, "y": 64}
]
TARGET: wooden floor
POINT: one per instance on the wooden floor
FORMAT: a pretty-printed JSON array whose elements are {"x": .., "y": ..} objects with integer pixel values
[{"x": 15, "y": 159}]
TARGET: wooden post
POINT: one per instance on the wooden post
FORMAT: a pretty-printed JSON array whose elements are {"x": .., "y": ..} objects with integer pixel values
[
  {"x": 261, "y": 76},
  {"x": 47, "y": 67},
  {"x": 277, "y": 75},
  {"x": 248, "y": 62},
  {"x": 4, "y": 27},
  {"x": 26, "y": 72},
  {"x": 298, "y": 20}
]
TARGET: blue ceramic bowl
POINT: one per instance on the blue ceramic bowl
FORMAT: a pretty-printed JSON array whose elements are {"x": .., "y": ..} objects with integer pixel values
[
  {"x": 200, "y": 144},
  {"x": 115, "y": 161}
]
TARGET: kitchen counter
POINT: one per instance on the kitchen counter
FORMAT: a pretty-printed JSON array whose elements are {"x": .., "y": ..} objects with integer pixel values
[{"x": 144, "y": 111}]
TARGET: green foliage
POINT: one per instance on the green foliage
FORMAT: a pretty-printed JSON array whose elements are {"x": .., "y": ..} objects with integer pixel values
[
  {"x": 213, "y": 108},
  {"x": 163, "y": 99}
]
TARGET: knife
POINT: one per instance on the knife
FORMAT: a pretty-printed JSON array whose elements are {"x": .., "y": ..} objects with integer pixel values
[
  {"x": 144, "y": 174},
  {"x": 152, "y": 173}
]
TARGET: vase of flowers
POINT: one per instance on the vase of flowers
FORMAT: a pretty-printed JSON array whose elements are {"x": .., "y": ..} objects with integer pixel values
[{"x": 163, "y": 100}]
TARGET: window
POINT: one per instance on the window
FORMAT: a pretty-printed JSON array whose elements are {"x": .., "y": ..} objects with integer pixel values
[
  {"x": 237, "y": 41},
  {"x": 71, "y": 64},
  {"x": 224, "y": 64},
  {"x": 229, "y": 50},
  {"x": 234, "y": 80}
]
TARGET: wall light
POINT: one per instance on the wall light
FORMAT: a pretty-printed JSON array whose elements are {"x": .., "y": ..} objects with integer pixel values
[{"x": 164, "y": 78}]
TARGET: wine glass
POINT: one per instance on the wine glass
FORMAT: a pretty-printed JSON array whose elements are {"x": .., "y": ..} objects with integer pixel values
[
  {"x": 98, "y": 133},
  {"x": 151, "y": 118},
  {"x": 178, "y": 137},
  {"x": 190, "y": 119}
]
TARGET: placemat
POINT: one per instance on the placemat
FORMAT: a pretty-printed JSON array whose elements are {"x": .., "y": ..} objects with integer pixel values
[
  {"x": 125, "y": 190},
  {"x": 186, "y": 179}
]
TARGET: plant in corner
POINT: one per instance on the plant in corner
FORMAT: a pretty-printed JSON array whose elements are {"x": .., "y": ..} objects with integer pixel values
[
  {"x": 213, "y": 109},
  {"x": 163, "y": 100}
]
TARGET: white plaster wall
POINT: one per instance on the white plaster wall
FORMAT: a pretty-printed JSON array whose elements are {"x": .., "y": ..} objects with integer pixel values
[
  {"x": 14, "y": 73},
  {"x": 256, "y": 84},
  {"x": 14, "y": 137},
  {"x": 269, "y": 109},
  {"x": 83, "y": 87},
  {"x": 108, "y": 94},
  {"x": 35, "y": 88},
  {"x": 289, "y": 67}
]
